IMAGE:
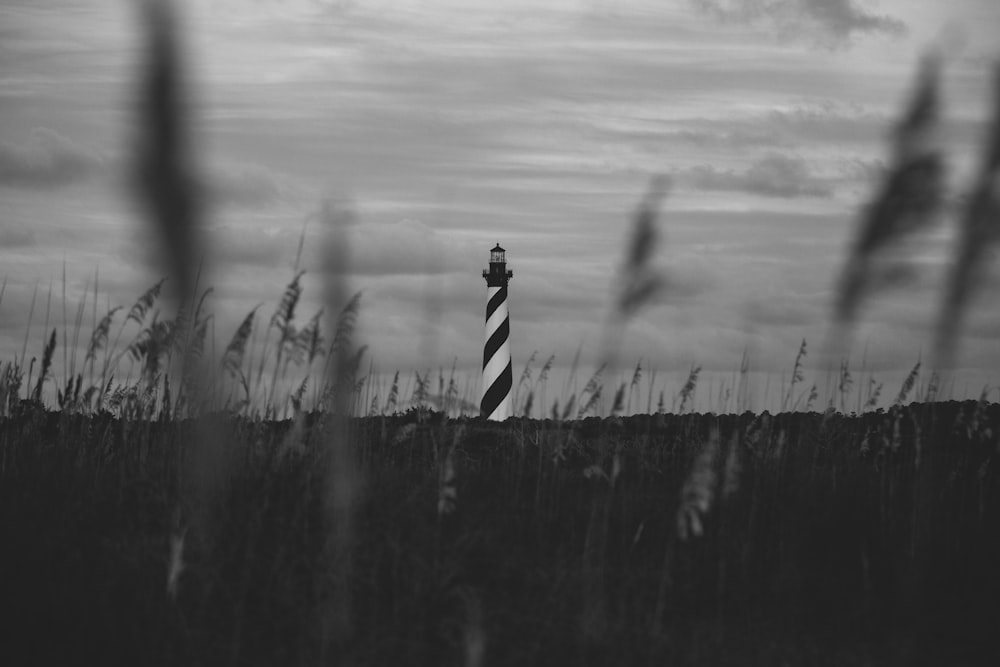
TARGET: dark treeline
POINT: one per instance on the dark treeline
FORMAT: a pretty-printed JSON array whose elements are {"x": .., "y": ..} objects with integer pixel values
[{"x": 799, "y": 538}]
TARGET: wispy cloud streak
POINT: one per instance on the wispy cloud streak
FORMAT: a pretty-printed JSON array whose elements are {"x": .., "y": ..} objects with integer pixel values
[
  {"x": 47, "y": 160},
  {"x": 832, "y": 22},
  {"x": 772, "y": 176}
]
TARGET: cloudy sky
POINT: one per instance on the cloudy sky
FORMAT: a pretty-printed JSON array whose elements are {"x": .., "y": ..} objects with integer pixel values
[{"x": 447, "y": 126}]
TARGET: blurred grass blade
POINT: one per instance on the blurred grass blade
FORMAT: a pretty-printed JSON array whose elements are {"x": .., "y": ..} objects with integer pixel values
[
  {"x": 907, "y": 200},
  {"x": 980, "y": 232},
  {"x": 165, "y": 181}
]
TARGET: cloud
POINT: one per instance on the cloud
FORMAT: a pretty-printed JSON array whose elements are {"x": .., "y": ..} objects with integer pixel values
[
  {"x": 732, "y": 139},
  {"x": 403, "y": 248},
  {"x": 828, "y": 121},
  {"x": 47, "y": 160},
  {"x": 779, "y": 125},
  {"x": 834, "y": 22},
  {"x": 17, "y": 238},
  {"x": 265, "y": 248},
  {"x": 406, "y": 247},
  {"x": 250, "y": 185},
  {"x": 788, "y": 311},
  {"x": 843, "y": 17},
  {"x": 772, "y": 176}
]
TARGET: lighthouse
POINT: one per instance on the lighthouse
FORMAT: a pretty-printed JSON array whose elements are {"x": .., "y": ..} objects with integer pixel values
[{"x": 498, "y": 375}]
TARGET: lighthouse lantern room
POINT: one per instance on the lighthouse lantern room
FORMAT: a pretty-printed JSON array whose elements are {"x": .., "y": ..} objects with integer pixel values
[{"x": 497, "y": 275}]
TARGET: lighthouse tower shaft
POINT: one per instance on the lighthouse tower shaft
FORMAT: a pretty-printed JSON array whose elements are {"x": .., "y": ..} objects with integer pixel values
[{"x": 498, "y": 375}]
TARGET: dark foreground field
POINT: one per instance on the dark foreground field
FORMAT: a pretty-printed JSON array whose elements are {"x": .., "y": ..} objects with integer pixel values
[{"x": 823, "y": 540}]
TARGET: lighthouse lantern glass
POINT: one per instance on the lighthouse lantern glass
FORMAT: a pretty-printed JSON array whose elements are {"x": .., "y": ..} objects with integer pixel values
[{"x": 497, "y": 256}]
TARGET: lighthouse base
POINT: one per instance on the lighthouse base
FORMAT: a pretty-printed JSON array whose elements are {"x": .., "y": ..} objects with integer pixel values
[{"x": 497, "y": 403}]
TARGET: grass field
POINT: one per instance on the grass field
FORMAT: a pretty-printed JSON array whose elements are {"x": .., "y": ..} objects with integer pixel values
[{"x": 794, "y": 539}]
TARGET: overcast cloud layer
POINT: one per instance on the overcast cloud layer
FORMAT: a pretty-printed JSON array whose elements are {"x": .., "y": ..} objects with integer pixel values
[{"x": 448, "y": 126}]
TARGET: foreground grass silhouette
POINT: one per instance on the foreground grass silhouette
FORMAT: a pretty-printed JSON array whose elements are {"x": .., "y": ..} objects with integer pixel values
[{"x": 791, "y": 539}]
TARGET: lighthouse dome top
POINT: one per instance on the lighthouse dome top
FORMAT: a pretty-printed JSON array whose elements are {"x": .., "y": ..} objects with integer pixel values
[{"x": 498, "y": 274}]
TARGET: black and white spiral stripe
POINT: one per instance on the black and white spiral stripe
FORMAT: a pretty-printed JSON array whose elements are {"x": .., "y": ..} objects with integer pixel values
[{"x": 498, "y": 375}]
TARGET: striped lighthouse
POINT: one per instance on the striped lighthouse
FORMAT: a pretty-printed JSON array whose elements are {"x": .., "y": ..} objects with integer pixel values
[{"x": 498, "y": 375}]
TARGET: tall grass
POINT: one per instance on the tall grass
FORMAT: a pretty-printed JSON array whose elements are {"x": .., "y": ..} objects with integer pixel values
[{"x": 686, "y": 539}]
